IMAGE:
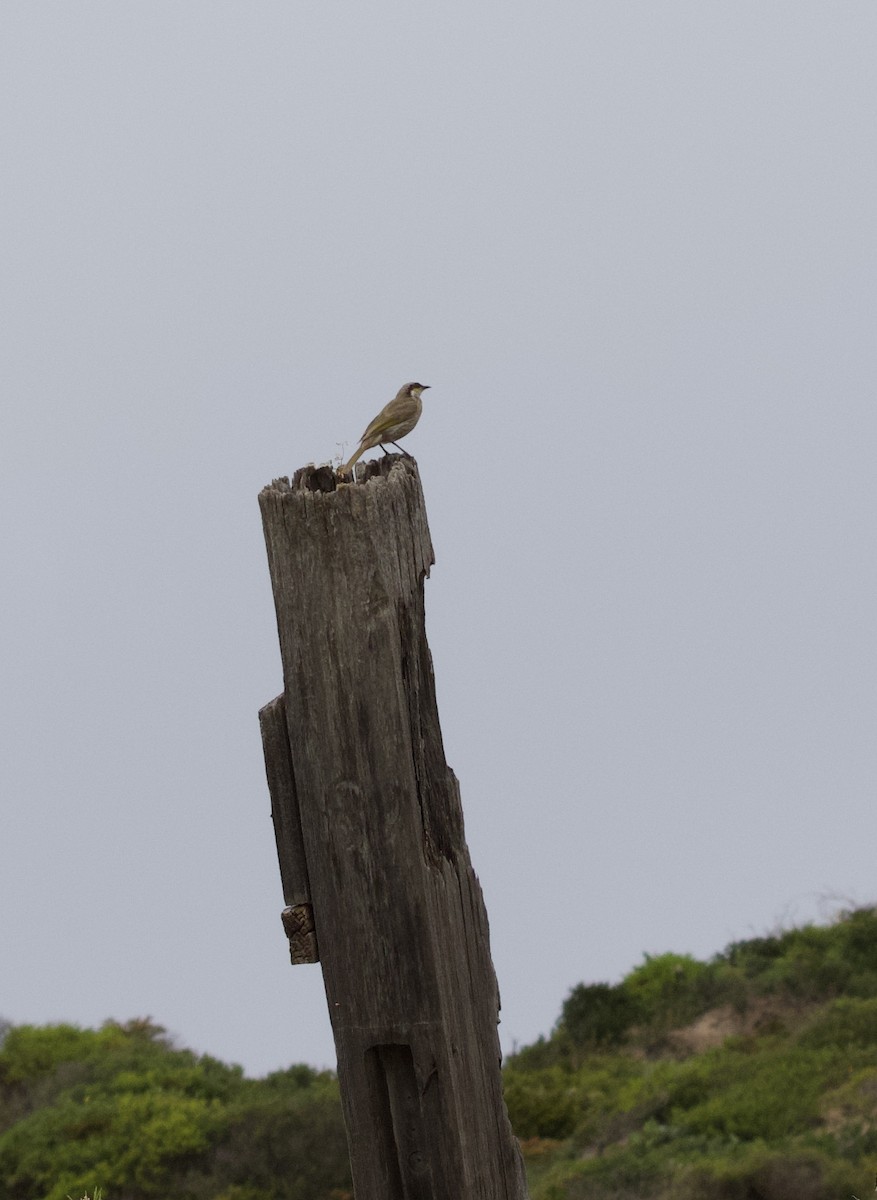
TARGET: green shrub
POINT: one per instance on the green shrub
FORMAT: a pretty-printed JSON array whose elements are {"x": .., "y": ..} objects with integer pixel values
[
  {"x": 846, "y": 1022},
  {"x": 813, "y": 962},
  {"x": 282, "y": 1148},
  {"x": 30, "y": 1052},
  {"x": 126, "y": 1141},
  {"x": 598, "y": 1014},
  {"x": 671, "y": 989},
  {"x": 544, "y": 1052},
  {"x": 772, "y": 1095},
  {"x": 541, "y": 1104},
  {"x": 745, "y": 1172},
  {"x": 122, "y": 1108}
]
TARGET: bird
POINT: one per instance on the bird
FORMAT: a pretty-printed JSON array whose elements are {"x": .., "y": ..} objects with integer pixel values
[{"x": 394, "y": 421}]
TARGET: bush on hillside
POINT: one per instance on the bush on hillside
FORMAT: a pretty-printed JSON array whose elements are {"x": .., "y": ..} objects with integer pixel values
[{"x": 598, "y": 1014}]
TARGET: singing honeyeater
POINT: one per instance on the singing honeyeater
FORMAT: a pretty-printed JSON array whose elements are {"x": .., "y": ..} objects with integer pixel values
[{"x": 393, "y": 421}]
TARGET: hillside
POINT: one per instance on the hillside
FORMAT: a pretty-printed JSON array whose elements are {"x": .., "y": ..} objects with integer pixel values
[
  {"x": 120, "y": 1110},
  {"x": 749, "y": 1077}
]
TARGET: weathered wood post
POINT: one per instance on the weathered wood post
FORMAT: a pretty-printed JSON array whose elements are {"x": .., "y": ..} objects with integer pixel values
[{"x": 374, "y": 865}]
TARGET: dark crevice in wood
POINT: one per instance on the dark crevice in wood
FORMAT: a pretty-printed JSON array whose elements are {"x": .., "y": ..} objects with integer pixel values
[{"x": 402, "y": 1123}]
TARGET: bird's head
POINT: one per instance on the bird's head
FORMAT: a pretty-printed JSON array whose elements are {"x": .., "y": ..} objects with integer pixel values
[{"x": 413, "y": 389}]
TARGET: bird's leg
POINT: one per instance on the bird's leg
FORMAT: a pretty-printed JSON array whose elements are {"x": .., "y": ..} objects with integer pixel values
[
  {"x": 404, "y": 453},
  {"x": 384, "y": 448}
]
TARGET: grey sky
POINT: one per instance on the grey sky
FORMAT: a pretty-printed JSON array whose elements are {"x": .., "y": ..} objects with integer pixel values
[{"x": 632, "y": 249}]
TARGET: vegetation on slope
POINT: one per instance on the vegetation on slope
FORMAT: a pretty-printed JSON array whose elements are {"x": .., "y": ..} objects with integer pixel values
[
  {"x": 749, "y": 1077},
  {"x": 121, "y": 1110}
]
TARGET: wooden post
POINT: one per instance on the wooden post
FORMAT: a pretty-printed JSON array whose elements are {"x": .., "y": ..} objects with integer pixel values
[{"x": 375, "y": 870}]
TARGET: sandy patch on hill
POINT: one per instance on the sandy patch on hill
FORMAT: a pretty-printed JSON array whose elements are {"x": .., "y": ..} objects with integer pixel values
[{"x": 764, "y": 1015}]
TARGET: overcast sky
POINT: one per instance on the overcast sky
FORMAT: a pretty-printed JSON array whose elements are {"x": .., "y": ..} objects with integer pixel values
[{"x": 633, "y": 250}]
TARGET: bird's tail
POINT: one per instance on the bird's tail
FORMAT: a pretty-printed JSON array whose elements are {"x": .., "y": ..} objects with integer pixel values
[{"x": 346, "y": 468}]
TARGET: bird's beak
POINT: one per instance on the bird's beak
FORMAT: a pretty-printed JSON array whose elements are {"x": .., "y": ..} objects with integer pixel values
[{"x": 425, "y": 387}]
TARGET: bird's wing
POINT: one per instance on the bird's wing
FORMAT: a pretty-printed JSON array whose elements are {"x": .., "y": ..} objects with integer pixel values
[{"x": 389, "y": 416}]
